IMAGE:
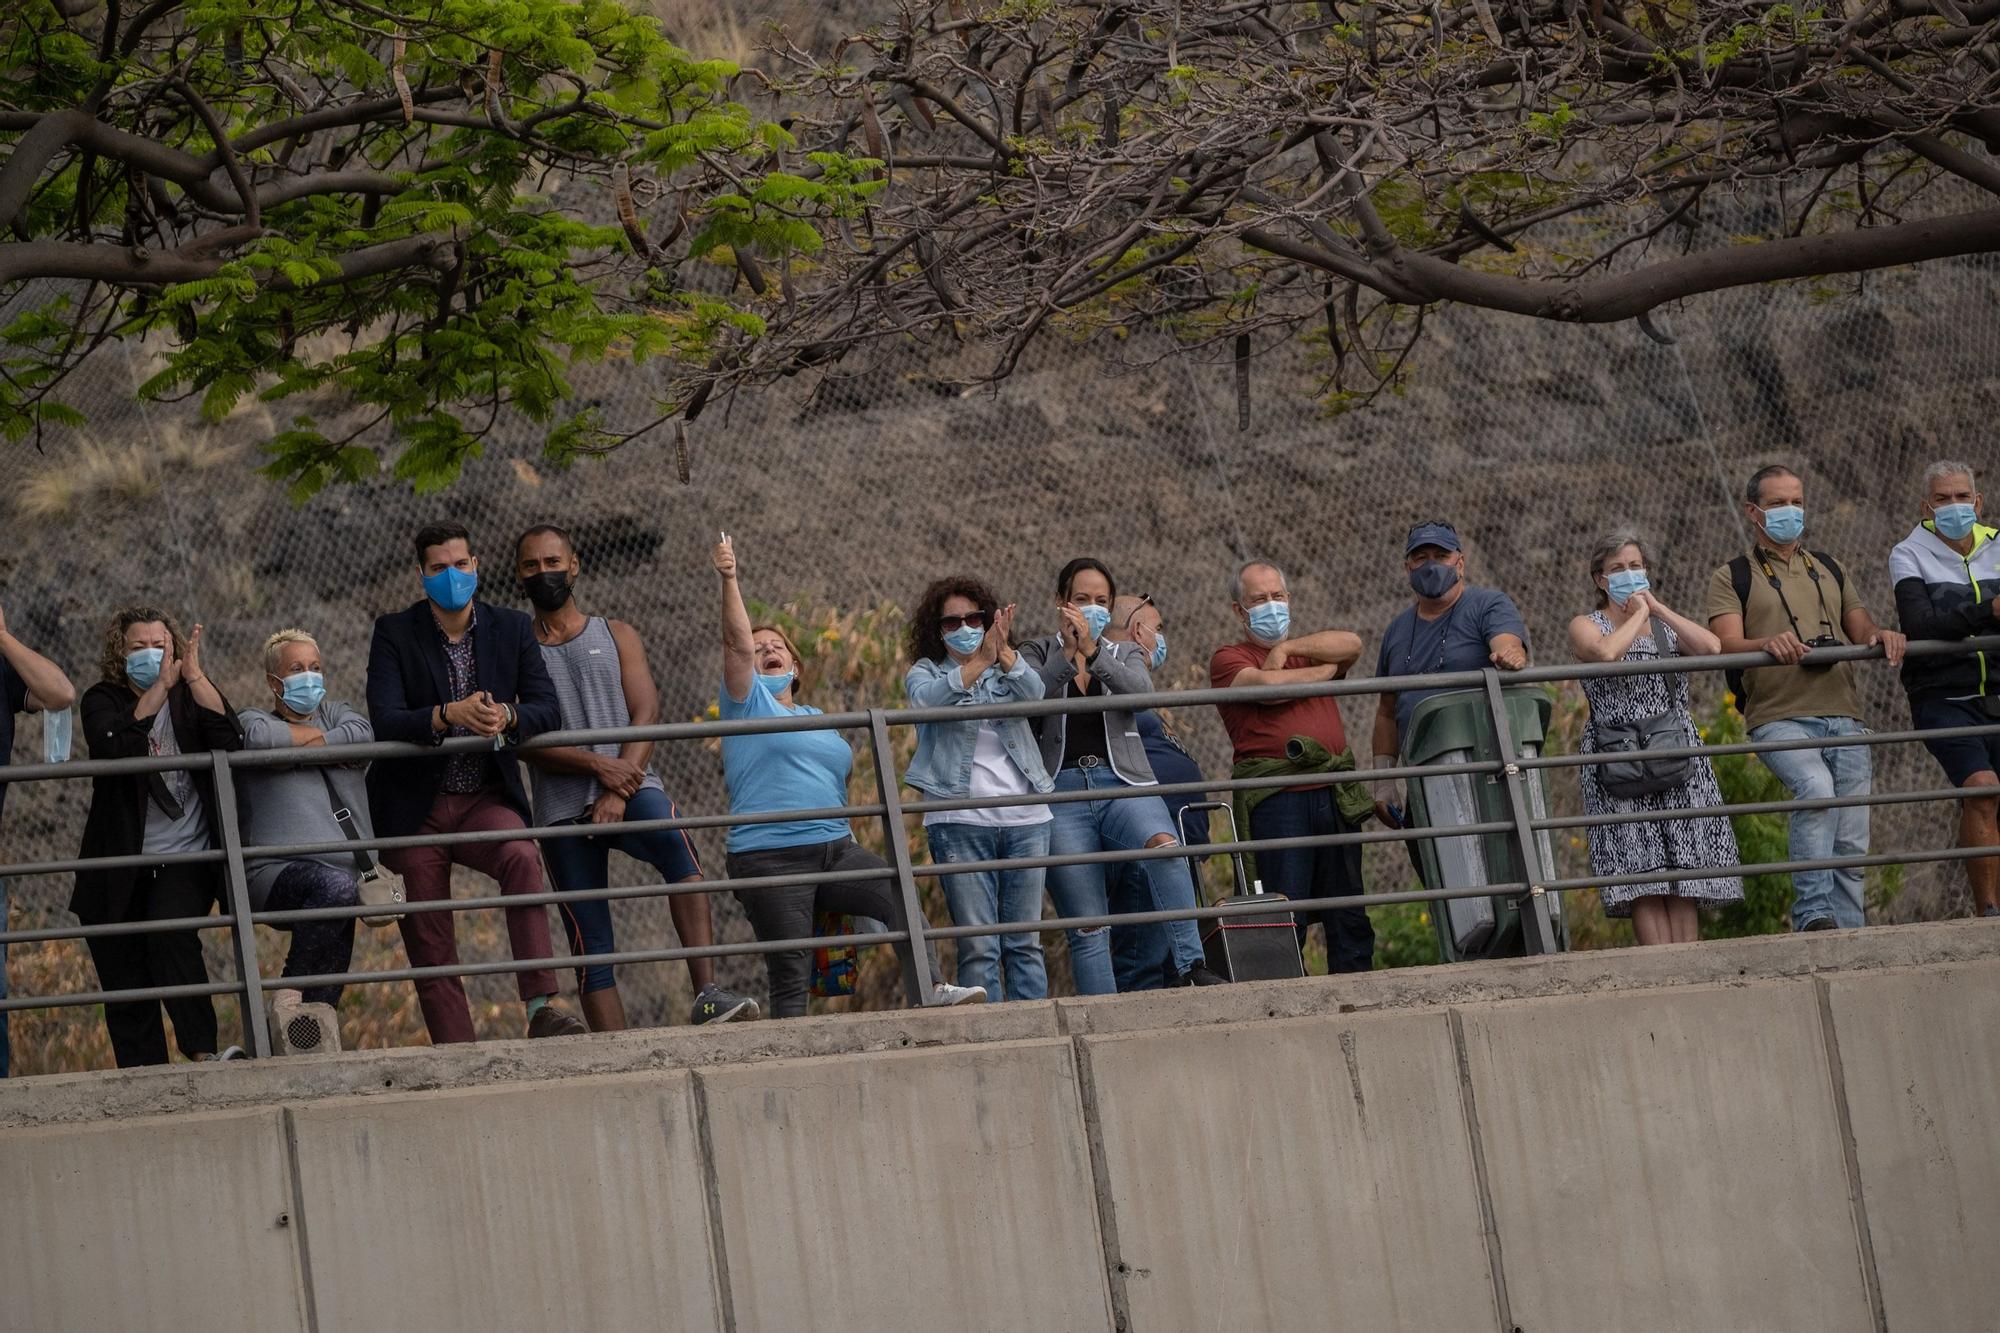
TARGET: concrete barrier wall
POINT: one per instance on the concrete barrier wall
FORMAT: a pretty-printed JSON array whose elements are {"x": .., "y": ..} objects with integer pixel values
[{"x": 1776, "y": 1135}]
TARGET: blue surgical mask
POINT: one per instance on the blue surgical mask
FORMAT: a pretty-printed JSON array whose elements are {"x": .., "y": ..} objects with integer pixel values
[
  {"x": 1159, "y": 658},
  {"x": 142, "y": 666},
  {"x": 1785, "y": 524},
  {"x": 303, "y": 691},
  {"x": 1954, "y": 521},
  {"x": 451, "y": 587},
  {"x": 55, "y": 736},
  {"x": 1621, "y": 584},
  {"x": 1097, "y": 617},
  {"x": 965, "y": 639},
  {"x": 1269, "y": 621},
  {"x": 777, "y": 682},
  {"x": 1433, "y": 579}
]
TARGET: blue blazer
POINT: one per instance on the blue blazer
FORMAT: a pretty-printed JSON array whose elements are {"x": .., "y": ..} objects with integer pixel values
[{"x": 408, "y": 677}]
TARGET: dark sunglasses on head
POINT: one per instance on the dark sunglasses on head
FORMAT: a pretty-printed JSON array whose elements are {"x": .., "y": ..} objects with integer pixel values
[{"x": 976, "y": 620}]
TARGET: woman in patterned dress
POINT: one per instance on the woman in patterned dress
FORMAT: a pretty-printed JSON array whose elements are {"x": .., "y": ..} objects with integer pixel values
[{"x": 1632, "y": 624}]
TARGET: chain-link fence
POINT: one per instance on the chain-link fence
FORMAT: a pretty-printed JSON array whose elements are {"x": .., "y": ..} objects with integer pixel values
[{"x": 852, "y": 492}]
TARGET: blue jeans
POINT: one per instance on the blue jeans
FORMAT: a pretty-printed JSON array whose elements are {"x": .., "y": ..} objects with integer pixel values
[
  {"x": 1817, "y": 834},
  {"x": 988, "y": 897},
  {"x": 1316, "y": 872},
  {"x": 1079, "y": 890},
  {"x": 585, "y": 863}
]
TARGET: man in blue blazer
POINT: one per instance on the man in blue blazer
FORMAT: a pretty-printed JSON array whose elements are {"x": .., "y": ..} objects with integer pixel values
[{"x": 453, "y": 666}]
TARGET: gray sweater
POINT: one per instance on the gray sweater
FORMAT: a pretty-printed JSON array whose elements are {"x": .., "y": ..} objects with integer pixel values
[
  {"x": 287, "y": 805},
  {"x": 1120, "y": 669}
]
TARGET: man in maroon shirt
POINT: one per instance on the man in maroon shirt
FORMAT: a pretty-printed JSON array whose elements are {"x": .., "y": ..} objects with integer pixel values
[{"x": 1261, "y": 735}]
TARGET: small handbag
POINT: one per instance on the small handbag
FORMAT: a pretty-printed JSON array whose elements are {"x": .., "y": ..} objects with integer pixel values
[
  {"x": 378, "y": 887},
  {"x": 1639, "y": 775}
]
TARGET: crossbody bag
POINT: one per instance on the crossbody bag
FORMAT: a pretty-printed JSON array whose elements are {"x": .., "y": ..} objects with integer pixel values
[{"x": 378, "y": 887}]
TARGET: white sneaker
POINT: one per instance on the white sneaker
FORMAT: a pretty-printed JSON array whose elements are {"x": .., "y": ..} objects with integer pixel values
[{"x": 945, "y": 993}]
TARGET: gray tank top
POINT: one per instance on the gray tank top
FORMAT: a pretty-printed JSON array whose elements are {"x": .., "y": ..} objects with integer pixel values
[{"x": 592, "y": 693}]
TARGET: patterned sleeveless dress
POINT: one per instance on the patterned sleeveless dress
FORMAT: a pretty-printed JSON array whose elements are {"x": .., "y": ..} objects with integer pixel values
[{"x": 1671, "y": 844}]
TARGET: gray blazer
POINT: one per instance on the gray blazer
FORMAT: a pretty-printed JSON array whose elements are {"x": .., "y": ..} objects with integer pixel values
[{"x": 1121, "y": 668}]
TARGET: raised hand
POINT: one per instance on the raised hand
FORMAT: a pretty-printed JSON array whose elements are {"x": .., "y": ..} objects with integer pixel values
[
  {"x": 723, "y": 557},
  {"x": 1001, "y": 636},
  {"x": 1075, "y": 631},
  {"x": 190, "y": 663}
]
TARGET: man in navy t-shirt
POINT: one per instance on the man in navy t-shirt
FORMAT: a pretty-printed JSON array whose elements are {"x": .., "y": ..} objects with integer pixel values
[
  {"x": 28, "y": 681},
  {"x": 1453, "y": 626}
]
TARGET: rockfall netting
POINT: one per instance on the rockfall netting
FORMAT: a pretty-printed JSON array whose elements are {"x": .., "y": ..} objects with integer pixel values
[{"x": 849, "y": 494}]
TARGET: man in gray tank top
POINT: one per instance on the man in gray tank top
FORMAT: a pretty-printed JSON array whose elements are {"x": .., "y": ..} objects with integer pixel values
[{"x": 602, "y": 680}]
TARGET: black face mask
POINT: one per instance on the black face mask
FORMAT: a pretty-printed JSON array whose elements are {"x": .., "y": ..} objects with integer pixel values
[{"x": 547, "y": 590}]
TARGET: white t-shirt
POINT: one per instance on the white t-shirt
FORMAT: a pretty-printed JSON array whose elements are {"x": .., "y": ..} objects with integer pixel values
[{"x": 994, "y": 773}]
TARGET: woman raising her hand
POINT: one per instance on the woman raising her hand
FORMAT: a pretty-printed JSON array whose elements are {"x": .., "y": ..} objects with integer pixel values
[{"x": 792, "y": 770}]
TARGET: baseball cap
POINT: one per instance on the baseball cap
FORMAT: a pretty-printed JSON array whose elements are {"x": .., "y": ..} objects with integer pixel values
[{"x": 1433, "y": 532}]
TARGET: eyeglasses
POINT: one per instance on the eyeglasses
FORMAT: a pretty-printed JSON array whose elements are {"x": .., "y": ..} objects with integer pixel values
[{"x": 976, "y": 620}]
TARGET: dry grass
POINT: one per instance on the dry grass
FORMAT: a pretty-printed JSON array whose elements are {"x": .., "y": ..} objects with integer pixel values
[
  {"x": 97, "y": 475},
  {"x": 375, "y": 1017}
]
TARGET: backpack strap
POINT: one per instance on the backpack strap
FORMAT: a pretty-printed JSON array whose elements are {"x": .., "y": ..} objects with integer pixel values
[
  {"x": 1739, "y": 578},
  {"x": 1839, "y": 574}
]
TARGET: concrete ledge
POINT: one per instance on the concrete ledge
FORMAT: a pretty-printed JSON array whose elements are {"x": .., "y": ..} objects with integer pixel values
[
  {"x": 573, "y": 1204},
  {"x": 110, "y": 1094},
  {"x": 171, "y": 1224},
  {"x": 1304, "y": 1173},
  {"x": 942, "y": 1189},
  {"x": 1920, "y": 1050},
  {"x": 1667, "y": 1161}
]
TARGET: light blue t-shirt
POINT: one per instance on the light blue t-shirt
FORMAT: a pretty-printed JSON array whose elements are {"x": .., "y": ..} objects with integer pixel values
[{"x": 796, "y": 770}]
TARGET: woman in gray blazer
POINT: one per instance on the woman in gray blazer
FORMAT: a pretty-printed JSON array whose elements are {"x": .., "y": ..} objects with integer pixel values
[{"x": 1102, "y": 750}]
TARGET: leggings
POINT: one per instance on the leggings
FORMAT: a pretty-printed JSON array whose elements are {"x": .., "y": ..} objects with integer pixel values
[{"x": 318, "y": 947}]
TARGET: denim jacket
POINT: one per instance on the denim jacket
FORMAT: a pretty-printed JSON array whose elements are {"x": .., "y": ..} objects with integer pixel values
[
  {"x": 943, "y": 763},
  {"x": 1121, "y": 669}
]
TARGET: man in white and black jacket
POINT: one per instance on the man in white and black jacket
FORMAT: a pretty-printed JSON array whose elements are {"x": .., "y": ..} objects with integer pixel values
[{"x": 1947, "y": 577}]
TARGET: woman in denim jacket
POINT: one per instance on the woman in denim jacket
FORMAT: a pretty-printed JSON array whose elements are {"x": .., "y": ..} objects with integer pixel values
[
  {"x": 1090, "y": 751},
  {"x": 961, "y": 656}
]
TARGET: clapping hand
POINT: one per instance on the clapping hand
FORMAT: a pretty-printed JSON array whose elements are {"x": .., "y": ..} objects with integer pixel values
[
  {"x": 1076, "y": 636},
  {"x": 190, "y": 664}
]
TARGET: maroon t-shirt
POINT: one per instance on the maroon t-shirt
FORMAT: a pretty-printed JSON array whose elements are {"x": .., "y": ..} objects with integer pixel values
[{"x": 1259, "y": 731}]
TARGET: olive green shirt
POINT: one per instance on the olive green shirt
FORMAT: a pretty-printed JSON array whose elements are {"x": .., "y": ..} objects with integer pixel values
[{"x": 1779, "y": 692}]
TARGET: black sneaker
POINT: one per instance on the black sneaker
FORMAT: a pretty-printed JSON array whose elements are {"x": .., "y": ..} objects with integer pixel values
[
  {"x": 1201, "y": 975},
  {"x": 716, "y": 1005},
  {"x": 549, "y": 1021},
  {"x": 1819, "y": 923},
  {"x": 1989, "y": 911}
]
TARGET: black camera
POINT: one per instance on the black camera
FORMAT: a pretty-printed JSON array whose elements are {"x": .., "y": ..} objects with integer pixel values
[{"x": 1821, "y": 641}]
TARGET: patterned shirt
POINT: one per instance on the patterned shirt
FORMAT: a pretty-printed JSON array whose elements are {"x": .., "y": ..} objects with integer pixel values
[{"x": 463, "y": 773}]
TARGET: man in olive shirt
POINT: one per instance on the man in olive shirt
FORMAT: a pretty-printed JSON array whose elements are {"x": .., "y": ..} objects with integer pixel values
[{"x": 1785, "y": 600}]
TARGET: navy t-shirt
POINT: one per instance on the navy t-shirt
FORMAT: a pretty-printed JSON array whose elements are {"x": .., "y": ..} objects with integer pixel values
[
  {"x": 1458, "y": 640},
  {"x": 13, "y": 699}
]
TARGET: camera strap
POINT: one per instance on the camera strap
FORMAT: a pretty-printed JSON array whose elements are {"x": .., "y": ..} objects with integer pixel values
[{"x": 1778, "y": 587}]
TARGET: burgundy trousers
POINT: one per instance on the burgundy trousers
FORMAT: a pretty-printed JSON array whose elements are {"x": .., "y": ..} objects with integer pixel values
[{"x": 431, "y": 938}]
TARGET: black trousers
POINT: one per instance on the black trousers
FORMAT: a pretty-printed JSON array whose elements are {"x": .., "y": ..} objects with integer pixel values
[
  {"x": 162, "y": 958},
  {"x": 786, "y": 912}
]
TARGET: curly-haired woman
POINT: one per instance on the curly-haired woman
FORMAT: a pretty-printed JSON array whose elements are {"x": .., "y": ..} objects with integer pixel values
[
  {"x": 154, "y": 699},
  {"x": 962, "y": 655}
]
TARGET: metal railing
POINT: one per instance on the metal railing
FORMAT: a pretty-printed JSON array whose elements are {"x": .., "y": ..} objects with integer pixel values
[{"x": 1519, "y": 828}]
